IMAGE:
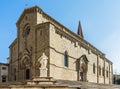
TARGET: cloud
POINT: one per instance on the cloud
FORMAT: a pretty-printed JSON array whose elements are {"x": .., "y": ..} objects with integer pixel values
[{"x": 111, "y": 47}]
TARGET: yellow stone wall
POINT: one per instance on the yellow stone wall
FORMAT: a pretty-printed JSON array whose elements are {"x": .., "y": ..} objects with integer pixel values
[
  {"x": 59, "y": 44},
  {"x": 92, "y": 59}
]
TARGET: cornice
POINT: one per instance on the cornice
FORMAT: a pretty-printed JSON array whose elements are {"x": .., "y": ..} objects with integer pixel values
[
  {"x": 72, "y": 36},
  {"x": 13, "y": 43},
  {"x": 41, "y": 25},
  {"x": 108, "y": 60},
  {"x": 4, "y": 64}
]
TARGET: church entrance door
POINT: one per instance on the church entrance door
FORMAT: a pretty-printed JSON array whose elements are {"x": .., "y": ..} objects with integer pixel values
[
  {"x": 82, "y": 68},
  {"x": 27, "y": 73},
  {"x": 81, "y": 76}
]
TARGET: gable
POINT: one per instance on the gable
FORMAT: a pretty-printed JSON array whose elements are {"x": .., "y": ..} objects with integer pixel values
[{"x": 28, "y": 11}]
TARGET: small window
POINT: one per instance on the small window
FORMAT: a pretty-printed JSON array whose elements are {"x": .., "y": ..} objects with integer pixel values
[
  {"x": 66, "y": 59},
  {"x": 94, "y": 68},
  {"x": 4, "y": 68},
  {"x": 99, "y": 70},
  {"x": 107, "y": 72},
  {"x": 15, "y": 74}
]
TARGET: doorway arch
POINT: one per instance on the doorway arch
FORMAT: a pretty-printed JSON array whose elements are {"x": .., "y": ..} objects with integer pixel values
[
  {"x": 82, "y": 64},
  {"x": 26, "y": 66}
]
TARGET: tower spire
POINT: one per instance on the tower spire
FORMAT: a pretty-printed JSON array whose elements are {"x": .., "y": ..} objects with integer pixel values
[{"x": 80, "y": 33}]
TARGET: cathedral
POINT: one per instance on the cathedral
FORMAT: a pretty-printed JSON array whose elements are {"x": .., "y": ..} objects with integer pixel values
[{"x": 46, "y": 48}]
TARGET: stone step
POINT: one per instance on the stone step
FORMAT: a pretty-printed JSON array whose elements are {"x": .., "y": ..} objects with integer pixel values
[{"x": 41, "y": 80}]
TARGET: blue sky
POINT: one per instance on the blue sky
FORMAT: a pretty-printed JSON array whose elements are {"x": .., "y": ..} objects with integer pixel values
[{"x": 100, "y": 21}]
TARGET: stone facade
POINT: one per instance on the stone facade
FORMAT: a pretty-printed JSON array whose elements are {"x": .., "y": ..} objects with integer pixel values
[
  {"x": 3, "y": 72},
  {"x": 70, "y": 57}
]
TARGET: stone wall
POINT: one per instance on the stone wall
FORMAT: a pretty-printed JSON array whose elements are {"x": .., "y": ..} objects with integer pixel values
[{"x": 61, "y": 41}]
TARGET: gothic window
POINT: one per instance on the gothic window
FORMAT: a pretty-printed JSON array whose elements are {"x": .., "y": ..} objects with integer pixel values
[
  {"x": 15, "y": 74},
  {"x": 26, "y": 31},
  {"x": 107, "y": 72},
  {"x": 66, "y": 59},
  {"x": 99, "y": 70},
  {"x": 103, "y": 71},
  {"x": 94, "y": 68}
]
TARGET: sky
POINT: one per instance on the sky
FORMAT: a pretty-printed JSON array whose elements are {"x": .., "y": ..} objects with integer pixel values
[{"x": 100, "y": 20}]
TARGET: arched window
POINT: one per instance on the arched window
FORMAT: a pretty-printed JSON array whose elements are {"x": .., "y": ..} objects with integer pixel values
[
  {"x": 99, "y": 70},
  {"x": 26, "y": 30},
  {"x": 94, "y": 68},
  {"x": 103, "y": 71},
  {"x": 15, "y": 74},
  {"x": 107, "y": 72},
  {"x": 66, "y": 59}
]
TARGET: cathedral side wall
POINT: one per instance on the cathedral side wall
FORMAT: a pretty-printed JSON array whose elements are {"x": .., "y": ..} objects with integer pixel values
[
  {"x": 100, "y": 72},
  {"x": 111, "y": 73},
  {"x": 107, "y": 72},
  {"x": 58, "y": 45},
  {"x": 92, "y": 77}
]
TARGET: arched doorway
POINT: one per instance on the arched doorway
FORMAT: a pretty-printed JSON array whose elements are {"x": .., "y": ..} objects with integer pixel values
[
  {"x": 26, "y": 66},
  {"x": 83, "y": 71},
  {"x": 4, "y": 78},
  {"x": 27, "y": 74},
  {"x": 82, "y": 64}
]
